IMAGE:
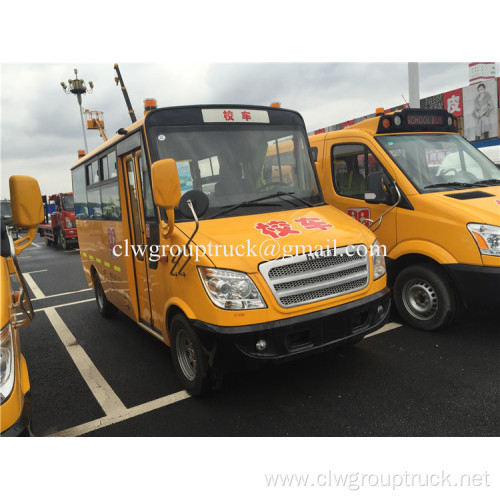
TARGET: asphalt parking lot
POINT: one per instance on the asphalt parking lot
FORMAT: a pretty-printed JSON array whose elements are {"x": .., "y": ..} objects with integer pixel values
[{"x": 92, "y": 376}]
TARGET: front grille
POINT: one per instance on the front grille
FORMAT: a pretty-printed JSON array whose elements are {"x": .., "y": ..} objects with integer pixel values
[{"x": 306, "y": 278}]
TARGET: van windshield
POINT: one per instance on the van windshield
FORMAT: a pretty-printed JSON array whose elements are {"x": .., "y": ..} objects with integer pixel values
[
  {"x": 440, "y": 162},
  {"x": 242, "y": 166}
]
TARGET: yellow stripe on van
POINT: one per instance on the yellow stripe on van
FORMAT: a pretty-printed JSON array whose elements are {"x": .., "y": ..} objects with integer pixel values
[{"x": 116, "y": 268}]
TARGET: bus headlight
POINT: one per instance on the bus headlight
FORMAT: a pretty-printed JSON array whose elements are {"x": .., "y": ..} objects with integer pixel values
[
  {"x": 231, "y": 289},
  {"x": 378, "y": 259},
  {"x": 6, "y": 363},
  {"x": 487, "y": 238}
]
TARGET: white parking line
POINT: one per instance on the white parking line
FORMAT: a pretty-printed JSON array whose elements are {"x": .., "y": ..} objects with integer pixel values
[
  {"x": 102, "y": 391},
  {"x": 385, "y": 328},
  {"x": 34, "y": 287},
  {"x": 128, "y": 413},
  {"x": 65, "y": 293}
]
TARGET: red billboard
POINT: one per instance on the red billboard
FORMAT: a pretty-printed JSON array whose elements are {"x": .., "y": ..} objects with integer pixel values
[{"x": 453, "y": 102}]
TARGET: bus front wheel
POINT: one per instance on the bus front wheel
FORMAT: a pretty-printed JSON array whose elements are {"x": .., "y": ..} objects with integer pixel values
[
  {"x": 424, "y": 297},
  {"x": 189, "y": 359},
  {"x": 105, "y": 308}
]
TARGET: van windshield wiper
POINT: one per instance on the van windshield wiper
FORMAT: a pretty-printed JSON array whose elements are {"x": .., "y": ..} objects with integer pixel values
[
  {"x": 256, "y": 201},
  {"x": 487, "y": 181},
  {"x": 452, "y": 184}
]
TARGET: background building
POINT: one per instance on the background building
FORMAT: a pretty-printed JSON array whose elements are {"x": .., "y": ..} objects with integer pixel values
[{"x": 475, "y": 106}]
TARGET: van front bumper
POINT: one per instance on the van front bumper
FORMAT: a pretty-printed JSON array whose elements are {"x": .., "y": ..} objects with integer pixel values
[
  {"x": 478, "y": 286},
  {"x": 298, "y": 336},
  {"x": 21, "y": 427}
]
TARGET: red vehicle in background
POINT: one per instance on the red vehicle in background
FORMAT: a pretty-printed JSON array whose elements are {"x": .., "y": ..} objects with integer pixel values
[{"x": 59, "y": 228}]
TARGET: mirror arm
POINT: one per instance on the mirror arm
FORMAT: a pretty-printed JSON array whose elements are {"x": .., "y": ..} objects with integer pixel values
[
  {"x": 25, "y": 241},
  {"x": 168, "y": 229},
  {"x": 24, "y": 302},
  {"x": 379, "y": 220},
  {"x": 190, "y": 204}
]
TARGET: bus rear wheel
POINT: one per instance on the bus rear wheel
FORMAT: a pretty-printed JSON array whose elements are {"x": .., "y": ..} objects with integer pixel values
[
  {"x": 424, "y": 297},
  {"x": 188, "y": 357},
  {"x": 105, "y": 308}
]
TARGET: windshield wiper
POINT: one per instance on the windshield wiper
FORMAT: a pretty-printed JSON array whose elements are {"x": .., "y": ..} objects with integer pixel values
[
  {"x": 451, "y": 184},
  {"x": 254, "y": 202},
  {"x": 487, "y": 181}
]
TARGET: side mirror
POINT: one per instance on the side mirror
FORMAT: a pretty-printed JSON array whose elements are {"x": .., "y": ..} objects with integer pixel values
[
  {"x": 379, "y": 189},
  {"x": 27, "y": 207},
  {"x": 166, "y": 189}
]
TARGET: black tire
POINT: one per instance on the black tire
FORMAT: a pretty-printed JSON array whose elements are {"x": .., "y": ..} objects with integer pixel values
[
  {"x": 189, "y": 359},
  {"x": 61, "y": 239},
  {"x": 105, "y": 308},
  {"x": 424, "y": 297},
  {"x": 48, "y": 242}
]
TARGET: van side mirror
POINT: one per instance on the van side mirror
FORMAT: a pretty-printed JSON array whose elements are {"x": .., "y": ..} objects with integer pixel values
[
  {"x": 166, "y": 189},
  {"x": 379, "y": 189},
  {"x": 27, "y": 207}
]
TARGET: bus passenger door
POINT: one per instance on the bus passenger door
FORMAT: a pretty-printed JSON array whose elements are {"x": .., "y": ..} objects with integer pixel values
[{"x": 138, "y": 247}]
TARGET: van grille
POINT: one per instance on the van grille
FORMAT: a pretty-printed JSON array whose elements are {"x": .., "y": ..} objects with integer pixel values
[{"x": 307, "y": 278}]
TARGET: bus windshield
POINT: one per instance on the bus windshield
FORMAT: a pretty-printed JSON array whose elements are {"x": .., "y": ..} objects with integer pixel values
[
  {"x": 239, "y": 164},
  {"x": 440, "y": 162}
]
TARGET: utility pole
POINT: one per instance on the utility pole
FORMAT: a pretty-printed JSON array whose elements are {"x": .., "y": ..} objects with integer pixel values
[
  {"x": 413, "y": 85},
  {"x": 78, "y": 88}
]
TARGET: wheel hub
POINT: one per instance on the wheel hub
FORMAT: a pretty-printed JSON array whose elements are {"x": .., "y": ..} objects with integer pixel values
[
  {"x": 420, "y": 299},
  {"x": 186, "y": 355}
]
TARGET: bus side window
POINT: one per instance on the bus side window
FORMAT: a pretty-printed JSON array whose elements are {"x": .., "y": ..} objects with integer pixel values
[
  {"x": 351, "y": 165},
  {"x": 347, "y": 177}
]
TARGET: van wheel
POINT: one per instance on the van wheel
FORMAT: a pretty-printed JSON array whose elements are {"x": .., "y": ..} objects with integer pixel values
[
  {"x": 189, "y": 359},
  {"x": 105, "y": 308},
  {"x": 424, "y": 297}
]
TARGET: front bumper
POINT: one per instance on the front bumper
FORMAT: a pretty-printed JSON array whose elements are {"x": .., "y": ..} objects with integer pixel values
[
  {"x": 71, "y": 234},
  {"x": 21, "y": 427},
  {"x": 295, "y": 337},
  {"x": 478, "y": 286}
]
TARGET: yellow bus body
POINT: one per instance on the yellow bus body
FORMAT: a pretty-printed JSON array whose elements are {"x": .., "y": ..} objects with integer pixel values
[
  {"x": 431, "y": 229},
  {"x": 16, "y": 310},
  {"x": 154, "y": 290}
]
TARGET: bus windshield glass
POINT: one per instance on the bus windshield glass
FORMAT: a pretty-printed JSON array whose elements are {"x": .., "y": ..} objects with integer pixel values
[
  {"x": 238, "y": 166},
  {"x": 67, "y": 203},
  {"x": 440, "y": 162}
]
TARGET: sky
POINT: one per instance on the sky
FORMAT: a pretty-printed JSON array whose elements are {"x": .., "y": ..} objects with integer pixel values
[{"x": 41, "y": 129}]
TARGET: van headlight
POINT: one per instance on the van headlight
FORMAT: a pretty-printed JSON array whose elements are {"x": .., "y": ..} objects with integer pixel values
[
  {"x": 6, "y": 363},
  {"x": 231, "y": 289},
  {"x": 487, "y": 238},
  {"x": 378, "y": 253}
]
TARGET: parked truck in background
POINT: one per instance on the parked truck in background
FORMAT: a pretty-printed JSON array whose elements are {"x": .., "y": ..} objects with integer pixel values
[
  {"x": 6, "y": 213},
  {"x": 59, "y": 227}
]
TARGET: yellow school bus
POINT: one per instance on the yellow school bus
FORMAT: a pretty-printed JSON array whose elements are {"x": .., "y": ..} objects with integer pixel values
[
  {"x": 185, "y": 227},
  {"x": 431, "y": 198},
  {"x": 15, "y": 308}
]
